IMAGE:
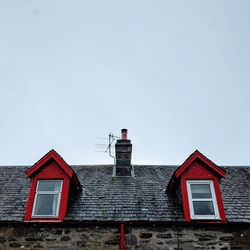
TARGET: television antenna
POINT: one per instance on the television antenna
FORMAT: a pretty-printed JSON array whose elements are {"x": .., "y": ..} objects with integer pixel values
[{"x": 107, "y": 147}]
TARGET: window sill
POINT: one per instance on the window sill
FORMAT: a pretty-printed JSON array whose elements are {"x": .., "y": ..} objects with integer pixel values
[{"x": 44, "y": 219}]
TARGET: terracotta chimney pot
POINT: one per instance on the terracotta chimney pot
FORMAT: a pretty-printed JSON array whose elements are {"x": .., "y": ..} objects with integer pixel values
[{"x": 124, "y": 134}]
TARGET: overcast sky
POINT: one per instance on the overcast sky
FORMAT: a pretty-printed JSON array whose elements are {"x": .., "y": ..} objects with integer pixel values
[{"x": 176, "y": 74}]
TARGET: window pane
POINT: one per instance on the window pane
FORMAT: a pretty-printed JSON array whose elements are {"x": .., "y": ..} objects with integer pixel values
[
  {"x": 46, "y": 204},
  {"x": 49, "y": 185},
  {"x": 201, "y": 191},
  {"x": 203, "y": 208}
]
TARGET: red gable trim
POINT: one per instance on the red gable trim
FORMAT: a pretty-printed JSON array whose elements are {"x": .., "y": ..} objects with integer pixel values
[
  {"x": 197, "y": 155},
  {"x": 52, "y": 154}
]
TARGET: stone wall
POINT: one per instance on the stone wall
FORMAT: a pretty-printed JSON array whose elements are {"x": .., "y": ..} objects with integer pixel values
[
  {"x": 137, "y": 237},
  {"x": 224, "y": 237}
]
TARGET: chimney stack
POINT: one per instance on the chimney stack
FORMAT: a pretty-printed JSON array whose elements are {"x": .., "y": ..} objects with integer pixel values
[{"x": 123, "y": 151}]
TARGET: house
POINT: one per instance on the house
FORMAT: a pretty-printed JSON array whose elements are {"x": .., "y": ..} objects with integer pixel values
[{"x": 52, "y": 205}]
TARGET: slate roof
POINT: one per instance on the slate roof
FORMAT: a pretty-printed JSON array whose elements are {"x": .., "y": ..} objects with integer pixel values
[{"x": 139, "y": 198}]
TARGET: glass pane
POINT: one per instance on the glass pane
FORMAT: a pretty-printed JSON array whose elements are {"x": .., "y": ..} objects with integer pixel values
[
  {"x": 49, "y": 185},
  {"x": 203, "y": 207},
  {"x": 201, "y": 191},
  {"x": 46, "y": 204}
]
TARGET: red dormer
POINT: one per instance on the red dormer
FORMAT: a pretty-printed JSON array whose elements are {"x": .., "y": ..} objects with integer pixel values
[
  {"x": 198, "y": 179},
  {"x": 51, "y": 180}
]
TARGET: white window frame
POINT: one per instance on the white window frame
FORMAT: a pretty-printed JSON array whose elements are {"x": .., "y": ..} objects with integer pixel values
[
  {"x": 47, "y": 192},
  {"x": 216, "y": 215}
]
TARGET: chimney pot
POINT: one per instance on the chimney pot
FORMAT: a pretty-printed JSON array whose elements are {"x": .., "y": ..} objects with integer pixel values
[{"x": 124, "y": 134}]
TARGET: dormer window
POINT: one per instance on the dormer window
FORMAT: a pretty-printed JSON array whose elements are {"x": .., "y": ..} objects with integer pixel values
[
  {"x": 202, "y": 200},
  {"x": 51, "y": 181},
  {"x": 198, "y": 178},
  {"x": 47, "y": 198}
]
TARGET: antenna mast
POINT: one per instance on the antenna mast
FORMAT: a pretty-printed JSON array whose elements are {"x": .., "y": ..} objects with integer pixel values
[
  {"x": 111, "y": 140},
  {"x": 108, "y": 147}
]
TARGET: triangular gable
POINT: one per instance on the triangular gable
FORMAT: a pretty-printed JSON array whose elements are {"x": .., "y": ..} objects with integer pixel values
[
  {"x": 197, "y": 155},
  {"x": 52, "y": 154},
  {"x": 192, "y": 158}
]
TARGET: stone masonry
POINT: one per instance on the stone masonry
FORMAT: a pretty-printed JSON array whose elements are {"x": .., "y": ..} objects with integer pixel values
[{"x": 137, "y": 237}]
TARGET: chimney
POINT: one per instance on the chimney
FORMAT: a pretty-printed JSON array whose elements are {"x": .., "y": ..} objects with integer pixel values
[{"x": 123, "y": 151}]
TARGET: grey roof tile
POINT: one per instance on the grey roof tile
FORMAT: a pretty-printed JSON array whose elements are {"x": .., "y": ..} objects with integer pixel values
[{"x": 106, "y": 198}]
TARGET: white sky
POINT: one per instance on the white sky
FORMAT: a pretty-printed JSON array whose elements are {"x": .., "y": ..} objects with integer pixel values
[{"x": 174, "y": 73}]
